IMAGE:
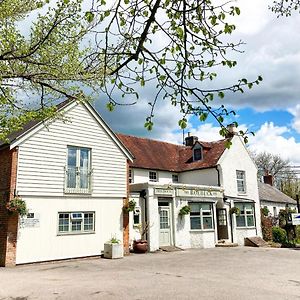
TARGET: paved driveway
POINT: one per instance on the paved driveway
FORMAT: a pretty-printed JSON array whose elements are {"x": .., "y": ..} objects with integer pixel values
[{"x": 236, "y": 273}]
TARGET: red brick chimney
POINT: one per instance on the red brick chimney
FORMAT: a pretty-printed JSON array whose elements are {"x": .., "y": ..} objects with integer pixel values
[{"x": 268, "y": 179}]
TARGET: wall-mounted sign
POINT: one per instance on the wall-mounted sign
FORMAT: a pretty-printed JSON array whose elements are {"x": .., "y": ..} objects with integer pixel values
[
  {"x": 161, "y": 191},
  {"x": 32, "y": 220},
  {"x": 198, "y": 193},
  {"x": 295, "y": 219}
]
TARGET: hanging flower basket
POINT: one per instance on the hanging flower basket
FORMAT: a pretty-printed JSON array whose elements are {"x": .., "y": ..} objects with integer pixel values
[
  {"x": 17, "y": 205},
  {"x": 235, "y": 210},
  {"x": 185, "y": 210},
  {"x": 130, "y": 206}
]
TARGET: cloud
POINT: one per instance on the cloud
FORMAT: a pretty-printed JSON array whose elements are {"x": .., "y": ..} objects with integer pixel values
[
  {"x": 296, "y": 121},
  {"x": 131, "y": 119},
  {"x": 270, "y": 138}
]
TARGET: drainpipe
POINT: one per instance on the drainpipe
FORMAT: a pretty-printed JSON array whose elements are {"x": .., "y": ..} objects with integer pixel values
[
  {"x": 218, "y": 171},
  {"x": 230, "y": 218},
  {"x": 231, "y": 223},
  {"x": 143, "y": 195}
]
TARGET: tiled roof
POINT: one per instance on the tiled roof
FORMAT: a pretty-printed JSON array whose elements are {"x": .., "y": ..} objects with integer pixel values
[
  {"x": 157, "y": 155},
  {"x": 272, "y": 194}
]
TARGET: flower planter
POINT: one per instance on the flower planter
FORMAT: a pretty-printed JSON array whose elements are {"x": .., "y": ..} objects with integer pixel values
[
  {"x": 140, "y": 246},
  {"x": 113, "y": 250}
]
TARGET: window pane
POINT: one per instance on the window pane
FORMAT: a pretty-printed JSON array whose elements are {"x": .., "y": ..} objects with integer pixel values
[
  {"x": 164, "y": 219},
  {"x": 71, "y": 177},
  {"x": 249, "y": 207},
  {"x": 63, "y": 223},
  {"x": 84, "y": 178},
  {"x": 195, "y": 208},
  {"x": 88, "y": 222},
  {"x": 84, "y": 158},
  {"x": 207, "y": 223},
  {"x": 195, "y": 223},
  {"x": 205, "y": 206},
  {"x": 197, "y": 154},
  {"x": 240, "y": 221},
  {"x": 136, "y": 219},
  {"x": 250, "y": 220},
  {"x": 76, "y": 225},
  {"x": 152, "y": 176},
  {"x": 71, "y": 157}
]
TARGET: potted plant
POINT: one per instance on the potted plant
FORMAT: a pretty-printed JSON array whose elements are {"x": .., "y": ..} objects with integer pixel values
[
  {"x": 184, "y": 210},
  {"x": 141, "y": 245},
  {"x": 113, "y": 248},
  {"x": 17, "y": 205},
  {"x": 235, "y": 210},
  {"x": 130, "y": 206}
]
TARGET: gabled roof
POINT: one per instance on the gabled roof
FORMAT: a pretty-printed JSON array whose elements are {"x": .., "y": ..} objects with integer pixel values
[
  {"x": 157, "y": 155},
  {"x": 30, "y": 127},
  {"x": 272, "y": 194},
  {"x": 31, "y": 124}
]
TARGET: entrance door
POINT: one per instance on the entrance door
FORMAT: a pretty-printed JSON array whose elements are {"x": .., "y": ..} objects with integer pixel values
[
  {"x": 222, "y": 226},
  {"x": 164, "y": 224}
]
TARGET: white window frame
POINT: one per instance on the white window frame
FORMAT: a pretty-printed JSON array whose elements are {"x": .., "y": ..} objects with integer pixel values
[
  {"x": 247, "y": 213},
  {"x": 130, "y": 176},
  {"x": 72, "y": 218},
  {"x": 175, "y": 176},
  {"x": 77, "y": 189},
  {"x": 242, "y": 181},
  {"x": 202, "y": 215},
  {"x": 153, "y": 179}
]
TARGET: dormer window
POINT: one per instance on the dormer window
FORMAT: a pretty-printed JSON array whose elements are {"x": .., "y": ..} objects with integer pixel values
[{"x": 197, "y": 152}]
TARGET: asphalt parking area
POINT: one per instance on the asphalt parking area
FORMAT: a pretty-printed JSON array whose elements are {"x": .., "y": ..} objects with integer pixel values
[{"x": 218, "y": 273}]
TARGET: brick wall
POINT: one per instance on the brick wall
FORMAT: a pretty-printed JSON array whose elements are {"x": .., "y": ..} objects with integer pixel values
[
  {"x": 8, "y": 222},
  {"x": 126, "y": 218}
]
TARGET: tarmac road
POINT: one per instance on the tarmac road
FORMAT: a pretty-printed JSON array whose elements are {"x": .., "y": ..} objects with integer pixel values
[{"x": 218, "y": 273}]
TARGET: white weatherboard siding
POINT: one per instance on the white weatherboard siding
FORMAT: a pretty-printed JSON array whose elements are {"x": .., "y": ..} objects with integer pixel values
[
  {"x": 238, "y": 158},
  {"x": 43, "y": 242},
  {"x": 43, "y": 156}
]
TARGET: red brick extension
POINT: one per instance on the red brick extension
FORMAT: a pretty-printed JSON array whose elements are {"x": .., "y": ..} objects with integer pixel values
[
  {"x": 8, "y": 223},
  {"x": 126, "y": 219}
]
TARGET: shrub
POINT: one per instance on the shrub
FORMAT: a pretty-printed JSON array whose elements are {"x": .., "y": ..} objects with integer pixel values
[
  {"x": 279, "y": 235},
  {"x": 265, "y": 211},
  {"x": 298, "y": 232}
]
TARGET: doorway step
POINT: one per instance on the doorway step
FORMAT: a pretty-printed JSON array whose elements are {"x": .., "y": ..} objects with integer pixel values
[
  {"x": 225, "y": 244},
  {"x": 170, "y": 248}
]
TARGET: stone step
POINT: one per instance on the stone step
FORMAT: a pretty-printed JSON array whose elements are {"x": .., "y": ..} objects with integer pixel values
[{"x": 226, "y": 245}]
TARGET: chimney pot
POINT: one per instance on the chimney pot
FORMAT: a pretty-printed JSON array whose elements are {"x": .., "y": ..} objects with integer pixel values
[
  {"x": 268, "y": 179},
  {"x": 190, "y": 140}
]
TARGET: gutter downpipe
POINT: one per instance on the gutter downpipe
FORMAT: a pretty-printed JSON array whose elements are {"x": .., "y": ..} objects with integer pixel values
[{"x": 218, "y": 171}]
